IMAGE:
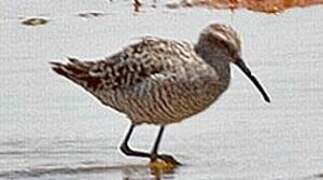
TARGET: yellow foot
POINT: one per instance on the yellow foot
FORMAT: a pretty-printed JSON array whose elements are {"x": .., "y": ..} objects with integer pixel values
[{"x": 160, "y": 166}]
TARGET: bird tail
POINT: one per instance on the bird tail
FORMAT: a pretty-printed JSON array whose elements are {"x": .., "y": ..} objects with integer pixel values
[{"x": 77, "y": 71}]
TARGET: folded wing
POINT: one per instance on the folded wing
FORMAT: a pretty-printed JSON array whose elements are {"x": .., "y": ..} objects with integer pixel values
[{"x": 129, "y": 67}]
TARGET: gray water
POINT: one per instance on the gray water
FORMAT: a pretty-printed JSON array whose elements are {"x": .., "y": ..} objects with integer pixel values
[{"x": 52, "y": 129}]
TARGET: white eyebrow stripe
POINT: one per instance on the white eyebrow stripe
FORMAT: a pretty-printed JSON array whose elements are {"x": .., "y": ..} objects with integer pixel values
[{"x": 220, "y": 35}]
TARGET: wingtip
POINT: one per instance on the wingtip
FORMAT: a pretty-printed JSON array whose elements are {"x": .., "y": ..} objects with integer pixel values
[
  {"x": 55, "y": 63},
  {"x": 72, "y": 60},
  {"x": 59, "y": 71},
  {"x": 58, "y": 68}
]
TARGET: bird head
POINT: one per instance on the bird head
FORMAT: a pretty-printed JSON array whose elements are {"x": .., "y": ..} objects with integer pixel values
[{"x": 226, "y": 39}]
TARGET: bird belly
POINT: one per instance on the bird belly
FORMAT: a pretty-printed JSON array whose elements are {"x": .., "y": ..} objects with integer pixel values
[{"x": 170, "y": 104}]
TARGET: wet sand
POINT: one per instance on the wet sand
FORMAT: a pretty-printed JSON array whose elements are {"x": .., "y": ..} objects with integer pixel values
[{"x": 51, "y": 129}]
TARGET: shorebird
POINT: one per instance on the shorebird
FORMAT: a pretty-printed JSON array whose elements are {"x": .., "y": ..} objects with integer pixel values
[{"x": 162, "y": 81}]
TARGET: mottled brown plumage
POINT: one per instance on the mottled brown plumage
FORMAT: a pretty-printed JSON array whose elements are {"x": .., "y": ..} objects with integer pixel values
[{"x": 160, "y": 81}]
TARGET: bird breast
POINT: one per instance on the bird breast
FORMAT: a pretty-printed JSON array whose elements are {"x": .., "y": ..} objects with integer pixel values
[
  {"x": 168, "y": 97},
  {"x": 183, "y": 84}
]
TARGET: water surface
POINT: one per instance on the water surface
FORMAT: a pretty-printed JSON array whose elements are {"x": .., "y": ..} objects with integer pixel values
[{"x": 52, "y": 129}]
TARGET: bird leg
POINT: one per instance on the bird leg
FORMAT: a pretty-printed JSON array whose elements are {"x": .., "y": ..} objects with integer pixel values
[
  {"x": 154, "y": 154},
  {"x": 127, "y": 150}
]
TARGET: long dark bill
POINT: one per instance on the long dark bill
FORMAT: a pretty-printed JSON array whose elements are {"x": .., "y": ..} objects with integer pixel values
[{"x": 253, "y": 79}]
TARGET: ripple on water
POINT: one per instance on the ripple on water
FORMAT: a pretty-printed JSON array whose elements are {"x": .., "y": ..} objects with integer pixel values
[{"x": 51, "y": 170}]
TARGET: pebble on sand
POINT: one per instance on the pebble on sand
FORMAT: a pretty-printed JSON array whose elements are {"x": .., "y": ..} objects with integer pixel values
[
  {"x": 91, "y": 14},
  {"x": 34, "y": 21}
]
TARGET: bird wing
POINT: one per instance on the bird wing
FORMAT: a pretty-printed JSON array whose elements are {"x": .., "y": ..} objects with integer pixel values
[{"x": 129, "y": 67}]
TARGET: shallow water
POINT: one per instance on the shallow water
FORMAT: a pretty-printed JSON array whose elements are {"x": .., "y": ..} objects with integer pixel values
[{"x": 51, "y": 129}]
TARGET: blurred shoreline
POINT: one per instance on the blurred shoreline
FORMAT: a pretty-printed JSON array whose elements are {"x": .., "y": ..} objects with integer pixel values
[{"x": 266, "y": 6}]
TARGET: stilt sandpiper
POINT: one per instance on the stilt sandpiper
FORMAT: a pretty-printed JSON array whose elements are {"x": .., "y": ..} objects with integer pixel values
[{"x": 160, "y": 81}]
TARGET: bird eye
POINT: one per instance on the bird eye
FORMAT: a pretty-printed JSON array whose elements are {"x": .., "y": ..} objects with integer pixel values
[{"x": 225, "y": 45}]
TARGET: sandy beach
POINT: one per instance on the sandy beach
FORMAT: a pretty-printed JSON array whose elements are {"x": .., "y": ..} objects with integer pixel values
[{"x": 52, "y": 129}]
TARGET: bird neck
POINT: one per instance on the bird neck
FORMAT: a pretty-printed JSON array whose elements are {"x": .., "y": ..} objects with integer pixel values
[{"x": 216, "y": 57}]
